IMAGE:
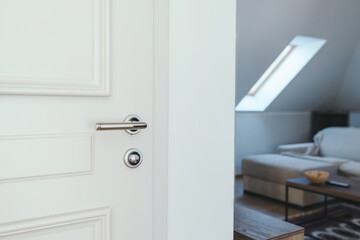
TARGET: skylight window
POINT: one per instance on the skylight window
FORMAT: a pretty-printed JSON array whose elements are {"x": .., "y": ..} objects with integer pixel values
[{"x": 280, "y": 73}]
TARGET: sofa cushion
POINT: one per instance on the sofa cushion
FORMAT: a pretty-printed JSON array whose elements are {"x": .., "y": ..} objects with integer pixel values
[
  {"x": 341, "y": 142},
  {"x": 279, "y": 168},
  {"x": 350, "y": 169}
]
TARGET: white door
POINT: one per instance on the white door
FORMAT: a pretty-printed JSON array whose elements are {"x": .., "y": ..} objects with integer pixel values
[{"x": 66, "y": 65}]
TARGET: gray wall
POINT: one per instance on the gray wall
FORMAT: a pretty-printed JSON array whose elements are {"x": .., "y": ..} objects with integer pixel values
[
  {"x": 349, "y": 97},
  {"x": 265, "y": 27},
  {"x": 258, "y": 133},
  {"x": 331, "y": 80},
  {"x": 354, "y": 119}
]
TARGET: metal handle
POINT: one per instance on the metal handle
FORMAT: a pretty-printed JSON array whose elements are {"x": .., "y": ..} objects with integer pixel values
[
  {"x": 121, "y": 126},
  {"x": 132, "y": 125}
]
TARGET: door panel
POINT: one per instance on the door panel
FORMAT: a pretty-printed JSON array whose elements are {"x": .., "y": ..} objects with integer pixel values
[
  {"x": 52, "y": 161},
  {"x": 54, "y": 47},
  {"x": 71, "y": 154},
  {"x": 91, "y": 224}
]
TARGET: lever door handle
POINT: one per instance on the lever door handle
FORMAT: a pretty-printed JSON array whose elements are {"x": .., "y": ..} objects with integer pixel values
[
  {"x": 132, "y": 124},
  {"x": 121, "y": 126}
]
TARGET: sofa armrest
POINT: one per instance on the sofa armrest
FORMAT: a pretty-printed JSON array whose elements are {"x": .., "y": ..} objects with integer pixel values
[{"x": 299, "y": 148}]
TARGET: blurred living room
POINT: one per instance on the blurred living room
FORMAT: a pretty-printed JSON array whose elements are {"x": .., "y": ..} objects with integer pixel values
[{"x": 297, "y": 112}]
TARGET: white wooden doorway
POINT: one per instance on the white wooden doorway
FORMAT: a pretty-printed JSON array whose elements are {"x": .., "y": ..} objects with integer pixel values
[{"x": 65, "y": 66}]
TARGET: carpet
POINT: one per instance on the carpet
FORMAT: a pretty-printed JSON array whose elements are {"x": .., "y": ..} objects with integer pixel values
[{"x": 342, "y": 223}]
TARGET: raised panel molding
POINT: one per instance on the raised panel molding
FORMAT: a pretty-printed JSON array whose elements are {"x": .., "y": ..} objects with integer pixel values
[
  {"x": 93, "y": 224},
  {"x": 94, "y": 80},
  {"x": 29, "y": 157}
]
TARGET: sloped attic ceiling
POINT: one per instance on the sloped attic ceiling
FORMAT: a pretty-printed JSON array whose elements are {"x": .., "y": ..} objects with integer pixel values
[
  {"x": 349, "y": 97},
  {"x": 265, "y": 27}
]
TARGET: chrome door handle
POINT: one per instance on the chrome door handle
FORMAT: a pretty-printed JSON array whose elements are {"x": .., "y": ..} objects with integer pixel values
[
  {"x": 121, "y": 126},
  {"x": 132, "y": 124}
]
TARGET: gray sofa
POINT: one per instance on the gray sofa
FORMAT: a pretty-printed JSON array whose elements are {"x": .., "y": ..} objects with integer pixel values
[{"x": 336, "y": 150}]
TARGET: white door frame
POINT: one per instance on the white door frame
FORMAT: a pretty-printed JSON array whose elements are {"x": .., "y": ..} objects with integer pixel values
[
  {"x": 173, "y": 168},
  {"x": 161, "y": 114}
]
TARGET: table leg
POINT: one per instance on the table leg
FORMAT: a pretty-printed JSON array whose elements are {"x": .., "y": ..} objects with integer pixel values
[
  {"x": 325, "y": 205},
  {"x": 286, "y": 202}
]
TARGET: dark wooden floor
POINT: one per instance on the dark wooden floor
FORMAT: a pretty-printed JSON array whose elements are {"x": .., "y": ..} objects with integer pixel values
[{"x": 264, "y": 205}]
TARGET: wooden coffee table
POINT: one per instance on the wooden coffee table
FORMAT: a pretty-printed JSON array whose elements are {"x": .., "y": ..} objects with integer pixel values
[
  {"x": 351, "y": 194},
  {"x": 253, "y": 225}
]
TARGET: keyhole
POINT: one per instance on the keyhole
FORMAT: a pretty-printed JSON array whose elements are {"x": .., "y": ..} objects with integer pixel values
[{"x": 133, "y": 158}]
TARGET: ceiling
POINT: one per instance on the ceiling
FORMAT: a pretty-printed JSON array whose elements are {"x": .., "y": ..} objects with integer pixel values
[{"x": 265, "y": 27}]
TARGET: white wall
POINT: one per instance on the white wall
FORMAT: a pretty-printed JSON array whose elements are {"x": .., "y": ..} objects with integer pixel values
[
  {"x": 201, "y": 123},
  {"x": 258, "y": 133}
]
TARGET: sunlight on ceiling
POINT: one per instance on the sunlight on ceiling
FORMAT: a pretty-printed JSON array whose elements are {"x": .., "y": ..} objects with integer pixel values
[{"x": 280, "y": 73}]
